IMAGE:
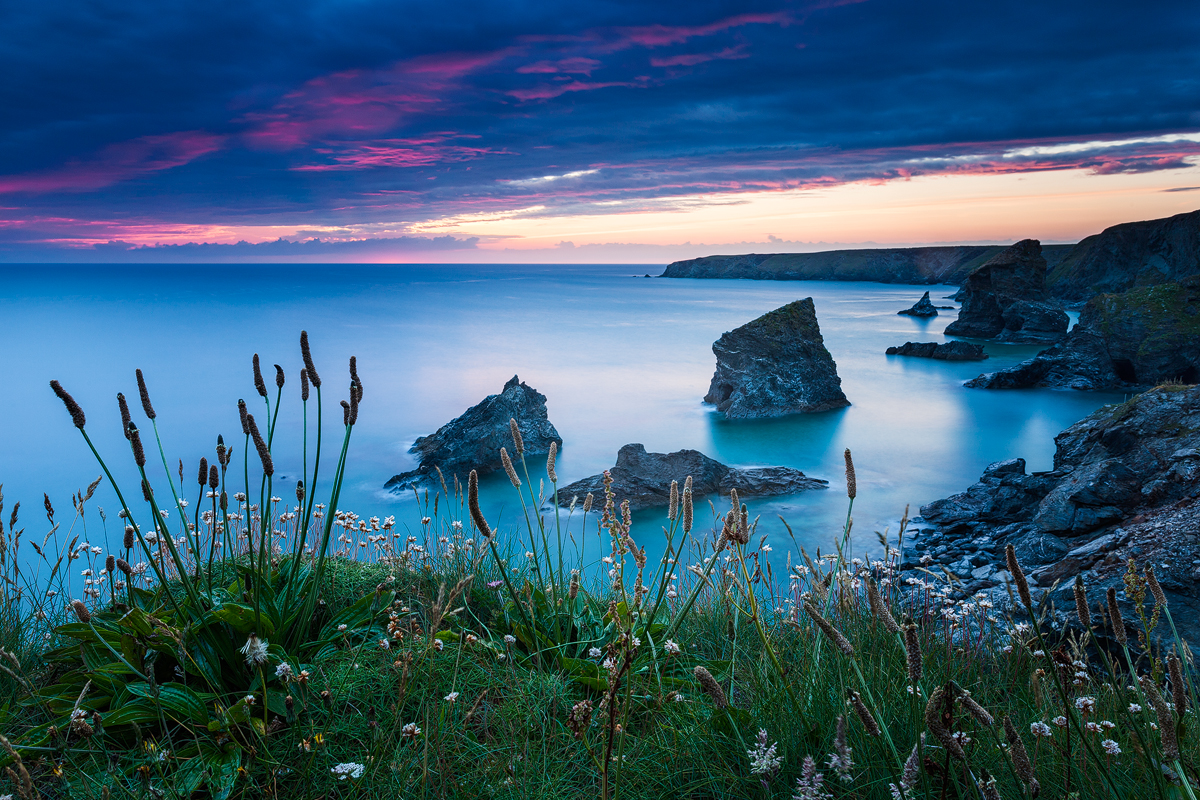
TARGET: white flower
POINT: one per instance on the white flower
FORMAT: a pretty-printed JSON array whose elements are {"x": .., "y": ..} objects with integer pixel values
[
  {"x": 348, "y": 770},
  {"x": 1107, "y": 725},
  {"x": 510, "y": 639},
  {"x": 1060, "y": 721},
  {"x": 284, "y": 671},
  {"x": 472, "y": 638},
  {"x": 1091, "y": 727},
  {"x": 384, "y": 644},
  {"x": 1085, "y": 704},
  {"x": 594, "y": 652},
  {"x": 426, "y": 520},
  {"x": 670, "y": 648},
  {"x": 451, "y": 698},
  {"x": 341, "y": 628},
  {"x": 1111, "y": 747},
  {"x": 1041, "y": 729},
  {"x": 1134, "y": 708},
  {"x": 410, "y": 731},
  {"x": 250, "y": 700},
  {"x": 255, "y": 651},
  {"x": 438, "y": 644},
  {"x": 763, "y": 760}
]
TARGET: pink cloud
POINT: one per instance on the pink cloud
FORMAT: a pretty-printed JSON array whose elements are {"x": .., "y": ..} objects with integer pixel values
[
  {"x": 549, "y": 91},
  {"x": 662, "y": 35},
  {"x": 692, "y": 59},
  {"x": 578, "y": 65},
  {"x": 118, "y": 162},
  {"x": 398, "y": 153}
]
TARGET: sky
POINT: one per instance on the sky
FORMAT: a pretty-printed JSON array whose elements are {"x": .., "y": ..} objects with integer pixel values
[{"x": 609, "y": 131}]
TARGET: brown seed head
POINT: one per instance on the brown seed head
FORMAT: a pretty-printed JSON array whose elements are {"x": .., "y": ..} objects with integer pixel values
[
  {"x": 518, "y": 442},
  {"x": 260, "y": 385},
  {"x": 851, "y": 481},
  {"x": 202, "y": 475},
  {"x": 224, "y": 501},
  {"x": 1114, "y": 617},
  {"x": 1160, "y": 597},
  {"x": 222, "y": 452},
  {"x": 145, "y": 394},
  {"x": 278, "y": 377},
  {"x": 300, "y": 492},
  {"x": 987, "y": 785},
  {"x": 687, "y": 505},
  {"x": 147, "y": 492},
  {"x": 509, "y": 469},
  {"x": 673, "y": 502},
  {"x": 77, "y": 417},
  {"x": 1081, "y": 604},
  {"x": 573, "y": 589},
  {"x": 587, "y": 502},
  {"x": 938, "y": 708},
  {"x": 110, "y": 563},
  {"x": 125, "y": 418},
  {"x": 914, "y": 658},
  {"x": 860, "y": 708},
  {"x": 879, "y": 607},
  {"x": 264, "y": 453},
  {"x": 304, "y": 385},
  {"x": 1166, "y": 724},
  {"x": 550, "y": 462},
  {"x": 1014, "y": 566},
  {"x": 81, "y": 611},
  {"x": 123, "y": 565},
  {"x": 135, "y": 441},
  {"x": 355, "y": 394},
  {"x": 711, "y": 688},
  {"x": 214, "y": 477},
  {"x": 354, "y": 379},
  {"x": 128, "y": 540},
  {"x": 1178, "y": 686},
  {"x": 840, "y": 641},
  {"x": 306, "y": 354},
  {"x": 345, "y": 413},
  {"x": 975, "y": 710},
  {"x": 242, "y": 415},
  {"x": 473, "y": 505}
]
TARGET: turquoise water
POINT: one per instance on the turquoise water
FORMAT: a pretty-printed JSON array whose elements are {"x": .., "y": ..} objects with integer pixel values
[{"x": 621, "y": 359}]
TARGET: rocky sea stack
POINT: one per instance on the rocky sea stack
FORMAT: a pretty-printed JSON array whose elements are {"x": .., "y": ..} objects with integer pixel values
[
  {"x": 922, "y": 308},
  {"x": 644, "y": 479},
  {"x": 950, "y": 351},
  {"x": 775, "y": 365},
  {"x": 473, "y": 440},
  {"x": 1123, "y": 341},
  {"x": 1005, "y": 299}
]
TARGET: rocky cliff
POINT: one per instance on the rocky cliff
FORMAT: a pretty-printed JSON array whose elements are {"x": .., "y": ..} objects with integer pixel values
[
  {"x": 644, "y": 479},
  {"x": 1129, "y": 255},
  {"x": 473, "y": 440},
  {"x": 775, "y": 365},
  {"x": 1003, "y": 299},
  {"x": 1123, "y": 341},
  {"x": 1125, "y": 483}
]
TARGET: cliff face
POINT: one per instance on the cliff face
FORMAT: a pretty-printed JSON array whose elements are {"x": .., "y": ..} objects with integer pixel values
[
  {"x": 1129, "y": 255},
  {"x": 775, "y": 365},
  {"x": 1002, "y": 299}
]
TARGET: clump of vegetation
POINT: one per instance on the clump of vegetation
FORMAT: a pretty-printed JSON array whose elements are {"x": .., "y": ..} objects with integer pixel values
[{"x": 292, "y": 649}]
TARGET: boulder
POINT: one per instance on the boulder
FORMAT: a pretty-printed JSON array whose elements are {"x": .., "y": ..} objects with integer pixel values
[
  {"x": 1004, "y": 299},
  {"x": 775, "y": 365},
  {"x": 949, "y": 351},
  {"x": 922, "y": 308},
  {"x": 473, "y": 440},
  {"x": 644, "y": 479}
]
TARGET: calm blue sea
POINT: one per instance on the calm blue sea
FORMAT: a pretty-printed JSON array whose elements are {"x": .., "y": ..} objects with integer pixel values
[{"x": 621, "y": 358}]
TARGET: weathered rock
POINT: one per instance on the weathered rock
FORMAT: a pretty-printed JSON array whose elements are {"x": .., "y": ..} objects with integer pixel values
[
  {"x": 922, "y": 308},
  {"x": 949, "y": 351},
  {"x": 775, "y": 365},
  {"x": 1004, "y": 299},
  {"x": 473, "y": 440},
  {"x": 1124, "y": 341},
  {"x": 645, "y": 478}
]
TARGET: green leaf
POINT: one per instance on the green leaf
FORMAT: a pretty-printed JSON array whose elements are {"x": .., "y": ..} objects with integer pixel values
[
  {"x": 141, "y": 711},
  {"x": 176, "y": 698},
  {"x": 241, "y": 618}
]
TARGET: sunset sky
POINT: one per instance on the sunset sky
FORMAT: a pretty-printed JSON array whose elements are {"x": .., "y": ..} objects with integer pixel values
[{"x": 358, "y": 130}]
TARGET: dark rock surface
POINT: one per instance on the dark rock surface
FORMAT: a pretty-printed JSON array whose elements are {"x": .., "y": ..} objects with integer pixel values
[
  {"x": 473, "y": 440},
  {"x": 1125, "y": 483},
  {"x": 645, "y": 478},
  {"x": 949, "y": 351},
  {"x": 1004, "y": 299},
  {"x": 775, "y": 365},
  {"x": 1123, "y": 341},
  {"x": 922, "y": 308},
  {"x": 1129, "y": 255}
]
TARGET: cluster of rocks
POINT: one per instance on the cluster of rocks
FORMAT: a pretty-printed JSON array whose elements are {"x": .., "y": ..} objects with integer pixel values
[
  {"x": 473, "y": 440},
  {"x": 948, "y": 351},
  {"x": 644, "y": 479},
  {"x": 1006, "y": 299},
  {"x": 1125, "y": 484},
  {"x": 775, "y": 365}
]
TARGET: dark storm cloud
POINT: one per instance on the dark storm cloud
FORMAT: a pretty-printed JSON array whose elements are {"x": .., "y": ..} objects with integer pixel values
[{"x": 349, "y": 113}]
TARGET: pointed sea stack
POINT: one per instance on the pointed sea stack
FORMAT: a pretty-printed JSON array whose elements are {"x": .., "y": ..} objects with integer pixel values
[
  {"x": 1004, "y": 299},
  {"x": 775, "y": 365},
  {"x": 923, "y": 308}
]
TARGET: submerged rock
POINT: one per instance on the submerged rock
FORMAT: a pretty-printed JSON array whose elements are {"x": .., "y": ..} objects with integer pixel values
[
  {"x": 645, "y": 478},
  {"x": 949, "y": 351},
  {"x": 922, "y": 308},
  {"x": 1004, "y": 299},
  {"x": 775, "y": 365},
  {"x": 473, "y": 440},
  {"x": 1123, "y": 341}
]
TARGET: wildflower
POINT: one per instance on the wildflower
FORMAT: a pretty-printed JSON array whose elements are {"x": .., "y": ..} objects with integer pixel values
[
  {"x": 1111, "y": 747},
  {"x": 594, "y": 652},
  {"x": 284, "y": 671},
  {"x": 472, "y": 638},
  {"x": 1060, "y": 721},
  {"x": 1085, "y": 704},
  {"x": 250, "y": 700},
  {"x": 495, "y": 584},
  {"x": 255, "y": 651},
  {"x": 410, "y": 731},
  {"x": 810, "y": 784},
  {"x": 451, "y": 698},
  {"x": 763, "y": 760},
  {"x": 1091, "y": 727},
  {"x": 1041, "y": 730},
  {"x": 510, "y": 639},
  {"x": 348, "y": 770},
  {"x": 670, "y": 648},
  {"x": 840, "y": 760},
  {"x": 384, "y": 644},
  {"x": 341, "y": 628},
  {"x": 962, "y": 738},
  {"x": 438, "y": 644},
  {"x": 1134, "y": 708},
  {"x": 426, "y": 520}
]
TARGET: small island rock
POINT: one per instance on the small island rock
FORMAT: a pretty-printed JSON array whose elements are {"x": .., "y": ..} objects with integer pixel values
[
  {"x": 775, "y": 365},
  {"x": 473, "y": 440},
  {"x": 922, "y": 308},
  {"x": 949, "y": 351},
  {"x": 644, "y": 479},
  {"x": 1004, "y": 299}
]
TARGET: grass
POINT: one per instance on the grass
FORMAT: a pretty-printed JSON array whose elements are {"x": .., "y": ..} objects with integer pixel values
[{"x": 341, "y": 657}]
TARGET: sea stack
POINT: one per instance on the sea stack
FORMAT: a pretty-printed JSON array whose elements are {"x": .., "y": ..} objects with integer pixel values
[
  {"x": 473, "y": 440},
  {"x": 775, "y": 365},
  {"x": 1004, "y": 299},
  {"x": 922, "y": 308}
]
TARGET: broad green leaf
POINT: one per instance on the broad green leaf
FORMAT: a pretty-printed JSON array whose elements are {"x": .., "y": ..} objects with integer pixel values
[
  {"x": 175, "y": 698},
  {"x": 242, "y": 619}
]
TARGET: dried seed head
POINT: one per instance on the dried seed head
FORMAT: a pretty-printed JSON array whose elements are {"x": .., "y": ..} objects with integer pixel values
[
  {"x": 1114, "y": 617},
  {"x": 509, "y": 469},
  {"x": 81, "y": 611},
  {"x": 518, "y": 442},
  {"x": 1160, "y": 597},
  {"x": 110, "y": 563},
  {"x": 550, "y": 462},
  {"x": 87, "y": 495},
  {"x": 125, "y": 418},
  {"x": 673, "y": 502},
  {"x": 573, "y": 589},
  {"x": 711, "y": 688},
  {"x": 145, "y": 394},
  {"x": 304, "y": 385},
  {"x": 914, "y": 658},
  {"x": 1081, "y": 604},
  {"x": 975, "y": 710},
  {"x": 687, "y": 505},
  {"x": 264, "y": 453},
  {"x": 743, "y": 529},
  {"x": 242, "y": 415},
  {"x": 354, "y": 379},
  {"x": 860, "y": 708},
  {"x": 135, "y": 441},
  {"x": 355, "y": 394},
  {"x": 587, "y": 502},
  {"x": 260, "y": 385},
  {"x": 879, "y": 608},
  {"x": 224, "y": 501},
  {"x": 1014, "y": 567},
  {"x": 1166, "y": 724},
  {"x": 937, "y": 714},
  {"x": 306, "y": 354},
  {"x": 1178, "y": 686},
  {"x": 278, "y": 377},
  {"x": 473, "y": 505},
  {"x": 214, "y": 477},
  {"x": 77, "y": 417},
  {"x": 987, "y": 786},
  {"x": 300, "y": 492},
  {"x": 345, "y": 413},
  {"x": 147, "y": 492},
  {"x": 128, "y": 541},
  {"x": 222, "y": 452},
  {"x": 123, "y": 565},
  {"x": 202, "y": 475},
  {"x": 840, "y": 641},
  {"x": 851, "y": 481}
]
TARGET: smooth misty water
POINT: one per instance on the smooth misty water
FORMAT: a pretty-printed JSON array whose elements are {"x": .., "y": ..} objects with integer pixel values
[{"x": 620, "y": 359}]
